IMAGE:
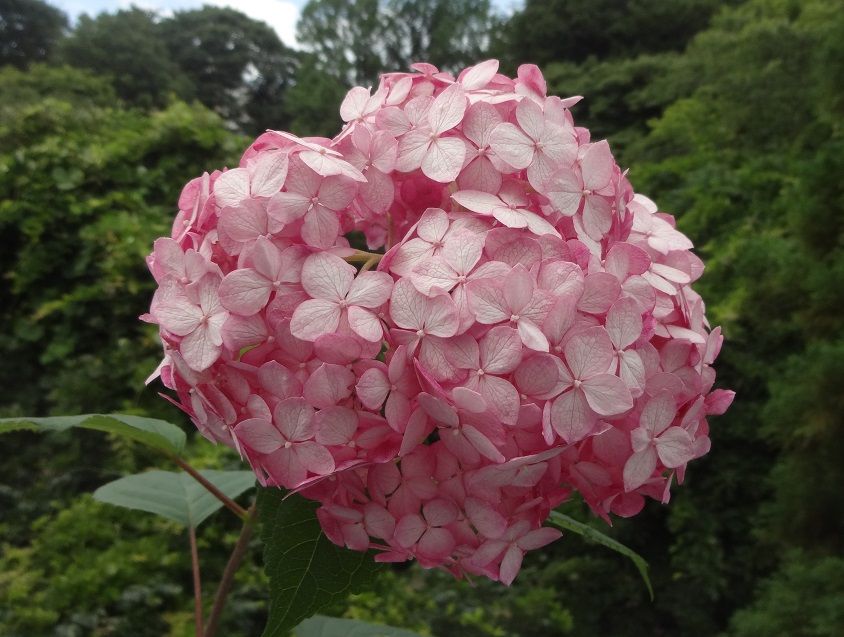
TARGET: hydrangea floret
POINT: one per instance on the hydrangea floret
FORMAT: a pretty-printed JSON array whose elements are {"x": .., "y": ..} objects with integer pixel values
[{"x": 519, "y": 330}]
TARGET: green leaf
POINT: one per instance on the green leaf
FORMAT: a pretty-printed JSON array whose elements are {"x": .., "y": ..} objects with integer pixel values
[
  {"x": 176, "y": 496},
  {"x": 307, "y": 572},
  {"x": 570, "y": 524},
  {"x": 322, "y": 626},
  {"x": 149, "y": 431}
]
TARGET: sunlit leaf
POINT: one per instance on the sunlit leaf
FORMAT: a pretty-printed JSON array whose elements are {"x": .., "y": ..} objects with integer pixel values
[
  {"x": 149, "y": 431},
  {"x": 176, "y": 496}
]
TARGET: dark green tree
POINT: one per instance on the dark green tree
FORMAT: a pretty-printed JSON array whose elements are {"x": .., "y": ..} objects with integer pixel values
[
  {"x": 237, "y": 66},
  {"x": 29, "y": 31}
]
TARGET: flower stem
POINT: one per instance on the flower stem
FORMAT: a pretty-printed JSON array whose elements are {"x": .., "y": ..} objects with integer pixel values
[
  {"x": 230, "y": 504},
  {"x": 236, "y": 557},
  {"x": 362, "y": 256},
  {"x": 197, "y": 584}
]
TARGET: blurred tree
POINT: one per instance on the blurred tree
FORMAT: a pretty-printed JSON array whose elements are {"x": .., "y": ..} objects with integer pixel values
[
  {"x": 29, "y": 31},
  {"x": 126, "y": 47},
  {"x": 237, "y": 66},
  {"x": 572, "y": 30},
  {"x": 311, "y": 103},
  {"x": 354, "y": 41}
]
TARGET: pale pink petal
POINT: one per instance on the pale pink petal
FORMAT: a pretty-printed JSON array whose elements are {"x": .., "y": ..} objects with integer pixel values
[
  {"x": 599, "y": 293},
  {"x": 410, "y": 254},
  {"x": 518, "y": 289},
  {"x": 532, "y": 336},
  {"x": 242, "y": 331},
  {"x": 512, "y": 145},
  {"x": 538, "y": 225},
  {"x": 658, "y": 414},
  {"x": 597, "y": 166},
  {"x": 337, "y": 192},
  {"x": 295, "y": 419},
  {"x": 244, "y": 292},
  {"x": 675, "y": 447},
  {"x": 313, "y": 318},
  {"x": 178, "y": 316},
  {"x": 365, "y": 324},
  {"x": 327, "y": 276},
  {"x": 571, "y": 416},
  {"x": 321, "y": 227},
  {"x": 500, "y": 350},
  {"x": 481, "y": 443},
  {"x": 354, "y": 104},
  {"x": 433, "y": 224},
  {"x": 607, "y": 395},
  {"x": 287, "y": 207},
  {"x": 624, "y": 323},
  {"x": 485, "y": 518},
  {"x": 538, "y": 538},
  {"x": 441, "y": 316},
  {"x": 199, "y": 348},
  {"x": 268, "y": 173},
  {"x": 477, "y": 201},
  {"x": 589, "y": 352},
  {"x": 370, "y": 289},
  {"x": 639, "y": 468},
  {"x": 462, "y": 250},
  {"x": 447, "y": 109},
  {"x": 539, "y": 376},
  {"x": 478, "y": 76},
  {"x": 372, "y": 388},
  {"x": 510, "y": 218},
  {"x": 259, "y": 435},
  {"x": 231, "y": 187},
  {"x": 502, "y": 398},
  {"x": 314, "y": 457},
  {"x": 328, "y": 385},
  {"x": 487, "y": 302},
  {"x": 335, "y": 425},
  {"x": 597, "y": 216},
  {"x": 412, "y": 149},
  {"x": 480, "y": 174},
  {"x": 433, "y": 276},
  {"x": 511, "y": 564},
  {"x": 408, "y": 306},
  {"x": 565, "y": 190},
  {"x": 444, "y": 159},
  {"x": 531, "y": 119},
  {"x": 409, "y": 529}
]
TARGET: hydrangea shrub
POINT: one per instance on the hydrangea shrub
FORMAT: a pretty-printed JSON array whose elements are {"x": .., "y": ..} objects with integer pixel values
[{"x": 521, "y": 329}]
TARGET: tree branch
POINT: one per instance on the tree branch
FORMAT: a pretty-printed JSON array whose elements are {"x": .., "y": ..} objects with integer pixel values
[
  {"x": 197, "y": 584},
  {"x": 226, "y": 581}
]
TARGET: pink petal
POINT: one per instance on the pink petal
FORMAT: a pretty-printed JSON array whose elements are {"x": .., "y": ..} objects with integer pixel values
[
  {"x": 436, "y": 544},
  {"x": 313, "y": 318},
  {"x": 485, "y": 518},
  {"x": 412, "y": 149},
  {"x": 478, "y": 76},
  {"x": 639, "y": 468},
  {"x": 675, "y": 447},
  {"x": 287, "y": 207},
  {"x": 502, "y": 397},
  {"x": 409, "y": 529},
  {"x": 512, "y": 145},
  {"x": 231, "y": 187},
  {"x": 245, "y": 292},
  {"x": 178, "y": 316},
  {"x": 268, "y": 173},
  {"x": 624, "y": 323},
  {"x": 444, "y": 159},
  {"x": 532, "y": 336},
  {"x": 447, "y": 109},
  {"x": 600, "y": 292},
  {"x": 199, "y": 348},
  {"x": 487, "y": 302},
  {"x": 658, "y": 414},
  {"x": 571, "y": 416},
  {"x": 335, "y": 425},
  {"x": 589, "y": 352},
  {"x": 370, "y": 289},
  {"x": 433, "y": 276},
  {"x": 295, "y": 419},
  {"x": 481, "y": 443},
  {"x": 500, "y": 350},
  {"x": 365, "y": 324},
  {"x": 314, "y": 457},
  {"x": 539, "y": 376},
  {"x": 538, "y": 538},
  {"x": 327, "y": 276},
  {"x": 597, "y": 166},
  {"x": 372, "y": 388},
  {"x": 321, "y": 227},
  {"x": 409, "y": 255},
  {"x": 259, "y": 435},
  {"x": 607, "y": 395},
  {"x": 433, "y": 224},
  {"x": 440, "y": 512},
  {"x": 328, "y": 385},
  {"x": 510, "y": 565},
  {"x": 477, "y": 201}
]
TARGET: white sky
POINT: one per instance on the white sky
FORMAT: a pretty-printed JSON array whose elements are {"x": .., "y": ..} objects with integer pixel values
[{"x": 281, "y": 15}]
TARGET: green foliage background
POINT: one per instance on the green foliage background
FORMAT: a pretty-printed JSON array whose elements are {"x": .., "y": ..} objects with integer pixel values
[{"x": 728, "y": 114}]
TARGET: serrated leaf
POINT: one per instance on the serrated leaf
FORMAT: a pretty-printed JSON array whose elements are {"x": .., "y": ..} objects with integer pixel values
[
  {"x": 149, "y": 431},
  {"x": 307, "y": 571},
  {"x": 570, "y": 524},
  {"x": 322, "y": 626},
  {"x": 176, "y": 496}
]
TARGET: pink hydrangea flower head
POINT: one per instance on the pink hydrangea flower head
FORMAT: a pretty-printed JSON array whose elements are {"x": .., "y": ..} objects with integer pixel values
[{"x": 519, "y": 328}]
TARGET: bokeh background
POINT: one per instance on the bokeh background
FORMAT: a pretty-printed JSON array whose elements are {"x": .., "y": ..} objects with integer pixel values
[{"x": 728, "y": 113}]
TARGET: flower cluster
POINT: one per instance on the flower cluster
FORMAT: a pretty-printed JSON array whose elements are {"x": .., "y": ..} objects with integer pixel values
[{"x": 529, "y": 332}]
